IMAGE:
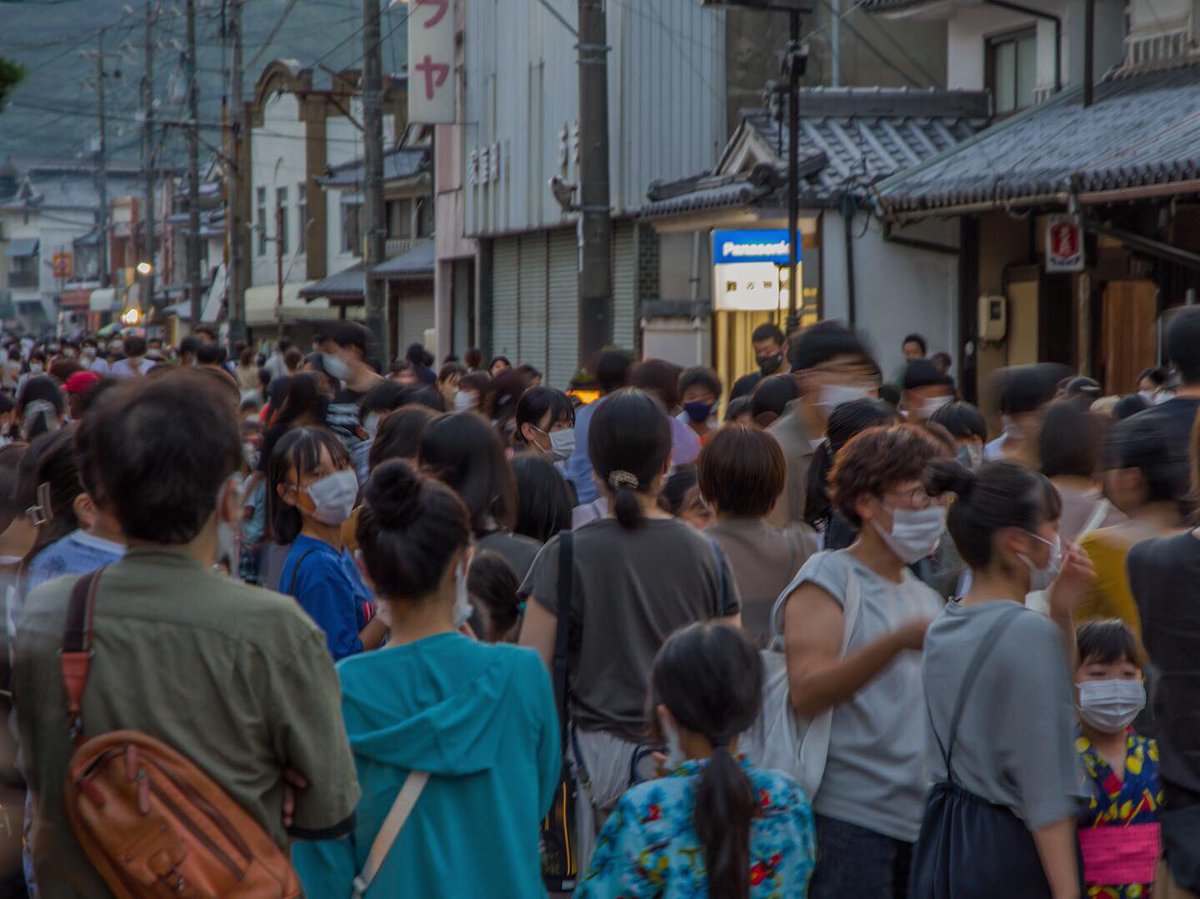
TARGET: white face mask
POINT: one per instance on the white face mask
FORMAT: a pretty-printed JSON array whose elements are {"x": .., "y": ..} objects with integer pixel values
[
  {"x": 675, "y": 754},
  {"x": 333, "y": 497},
  {"x": 116, "y": 346},
  {"x": 1042, "y": 578},
  {"x": 335, "y": 367},
  {"x": 915, "y": 532},
  {"x": 562, "y": 443},
  {"x": 831, "y": 396},
  {"x": 464, "y": 401},
  {"x": 932, "y": 404},
  {"x": 1111, "y": 705},
  {"x": 35, "y": 368},
  {"x": 462, "y": 598},
  {"x": 89, "y": 352}
]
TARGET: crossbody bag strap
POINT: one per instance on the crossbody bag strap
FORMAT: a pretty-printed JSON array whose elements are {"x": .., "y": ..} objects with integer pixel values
[
  {"x": 396, "y": 818},
  {"x": 990, "y": 639},
  {"x": 722, "y": 578},
  {"x": 562, "y": 629},
  {"x": 296, "y": 571},
  {"x": 76, "y": 655}
]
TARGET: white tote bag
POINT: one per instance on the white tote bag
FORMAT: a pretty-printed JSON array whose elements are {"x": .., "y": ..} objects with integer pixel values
[{"x": 780, "y": 739}]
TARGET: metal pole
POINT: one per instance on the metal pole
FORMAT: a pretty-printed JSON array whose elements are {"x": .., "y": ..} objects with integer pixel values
[
  {"x": 835, "y": 42},
  {"x": 793, "y": 321},
  {"x": 102, "y": 161},
  {"x": 236, "y": 183},
  {"x": 373, "y": 221},
  {"x": 595, "y": 222},
  {"x": 193, "y": 242},
  {"x": 278, "y": 265},
  {"x": 146, "y": 301},
  {"x": 1089, "y": 51}
]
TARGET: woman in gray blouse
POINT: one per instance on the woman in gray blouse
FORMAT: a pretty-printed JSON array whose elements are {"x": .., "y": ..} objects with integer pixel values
[{"x": 999, "y": 694}]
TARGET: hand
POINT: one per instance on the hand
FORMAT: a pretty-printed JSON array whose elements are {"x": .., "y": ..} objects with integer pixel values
[
  {"x": 293, "y": 780},
  {"x": 912, "y": 634},
  {"x": 1074, "y": 578}
]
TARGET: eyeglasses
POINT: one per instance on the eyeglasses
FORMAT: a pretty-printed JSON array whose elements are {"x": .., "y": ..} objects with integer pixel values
[{"x": 916, "y": 498}]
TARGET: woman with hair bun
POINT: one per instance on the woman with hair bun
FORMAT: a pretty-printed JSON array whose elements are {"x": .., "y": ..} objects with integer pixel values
[
  {"x": 639, "y": 575},
  {"x": 478, "y": 719},
  {"x": 998, "y": 684}
]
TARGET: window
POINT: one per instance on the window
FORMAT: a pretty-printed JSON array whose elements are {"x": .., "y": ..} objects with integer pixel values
[
  {"x": 351, "y": 227},
  {"x": 425, "y": 217},
  {"x": 1012, "y": 70},
  {"x": 260, "y": 201},
  {"x": 281, "y": 219},
  {"x": 400, "y": 223},
  {"x": 301, "y": 218},
  {"x": 23, "y": 271}
]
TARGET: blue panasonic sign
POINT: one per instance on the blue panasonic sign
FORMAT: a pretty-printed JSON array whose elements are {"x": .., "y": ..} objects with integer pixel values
[{"x": 769, "y": 245}]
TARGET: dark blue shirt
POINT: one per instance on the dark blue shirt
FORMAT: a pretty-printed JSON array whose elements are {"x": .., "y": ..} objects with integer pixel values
[{"x": 329, "y": 588}]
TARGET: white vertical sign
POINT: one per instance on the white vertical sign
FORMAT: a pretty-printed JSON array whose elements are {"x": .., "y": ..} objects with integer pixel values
[{"x": 431, "y": 89}]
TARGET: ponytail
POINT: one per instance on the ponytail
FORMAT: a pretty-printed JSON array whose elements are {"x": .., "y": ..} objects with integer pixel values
[
  {"x": 624, "y": 498},
  {"x": 725, "y": 808},
  {"x": 629, "y": 442}
]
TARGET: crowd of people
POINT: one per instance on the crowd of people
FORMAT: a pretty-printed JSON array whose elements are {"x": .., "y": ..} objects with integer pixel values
[{"x": 445, "y": 631}]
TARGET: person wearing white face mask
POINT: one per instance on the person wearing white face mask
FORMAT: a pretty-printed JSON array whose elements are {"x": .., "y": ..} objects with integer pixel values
[
  {"x": 853, "y": 626},
  {"x": 925, "y": 389},
  {"x": 1000, "y": 819},
  {"x": 545, "y": 423},
  {"x": 1120, "y": 823},
  {"x": 831, "y": 367},
  {"x": 473, "y": 724},
  {"x": 311, "y": 491}
]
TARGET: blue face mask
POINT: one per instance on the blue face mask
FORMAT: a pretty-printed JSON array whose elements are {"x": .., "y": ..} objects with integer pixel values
[{"x": 698, "y": 412}]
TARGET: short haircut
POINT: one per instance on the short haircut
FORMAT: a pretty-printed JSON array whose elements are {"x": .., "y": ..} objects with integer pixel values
[
  {"x": 158, "y": 451},
  {"x": 399, "y": 435},
  {"x": 383, "y": 397},
  {"x": 1183, "y": 344},
  {"x": 876, "y": 460},
  {"x": 473, "y": 357},
  {"x": 188, "y": 346},
  {"x": 918, "y": 340},
  {"x": 1128, "y": 406},
  {"x": 1156, "y": 376},
  {"x": 1141, "y": 443},
  {"x": 1107, "y": 641},
  {"x": 768, "y": 331},
  {"x": 350, "y": 334},
  {"x": 612, "y": 370},
  {"x": 1026, "y": 388},
  {"x": 210, "y": 354},
  {"x": 923, "y": 373},
  {"x": 1070, "y": 442},
  {"x": 700, "y": 376},
  {"x": 742, "y": 471},
  {"x": 135, "y": 346},
  {"x": 822, "y": 342},
  {"x": 772, "y": 394},
  {"x": 962, "y": 420},
  {"x": 659, "y": 377}
]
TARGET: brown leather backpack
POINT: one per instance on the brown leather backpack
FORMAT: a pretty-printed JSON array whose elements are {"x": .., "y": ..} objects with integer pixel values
[{"x": 151, "y": 822}]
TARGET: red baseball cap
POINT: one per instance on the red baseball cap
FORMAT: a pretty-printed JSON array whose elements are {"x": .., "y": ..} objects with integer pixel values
[{"x": 81, "y": 382}]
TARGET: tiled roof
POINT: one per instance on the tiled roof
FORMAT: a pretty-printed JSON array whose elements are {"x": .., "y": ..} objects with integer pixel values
[
  {"x": 397, "y": 165},
  {"x": 416, "y": 262},
  {"x": 734, "y": 190},
  {"x": 344, "y": 285},
  {"x": 1141, "y": 130}
]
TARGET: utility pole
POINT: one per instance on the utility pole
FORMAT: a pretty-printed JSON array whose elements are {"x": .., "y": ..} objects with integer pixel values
[
  {"x": 1089, "y": 52},
  {"x": 794, "y": 63},
  {"x": 835, "y": 43},
  {"x": 595, "y": 219},
  {"x": 373, "y": 223},
  {"x": 148, "y": 254},
  {"x": 193, "y": 131},
  {"x": 236, "y": 182},
  {"x": 102, "y": 160}
]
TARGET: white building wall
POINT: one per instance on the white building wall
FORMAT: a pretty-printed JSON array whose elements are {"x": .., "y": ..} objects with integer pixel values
[
  {"x": 343, "y": 143},
  {"x": 277, "y": 159}
]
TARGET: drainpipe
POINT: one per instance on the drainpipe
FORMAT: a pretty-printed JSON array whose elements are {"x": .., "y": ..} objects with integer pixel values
[
  {"x": 695, "y": 278},
  {"x": 1038, "y": 14},
  {"x": 848, "y": 221}
]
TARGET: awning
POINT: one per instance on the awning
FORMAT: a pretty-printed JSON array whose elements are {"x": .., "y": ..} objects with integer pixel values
[
  {"x": 344, "y": 287},
  {"x": 21, "y": 246},
  {"x": 261, "y": 308},
  {"x": 416, "y": 263},
  {"x": 1139, "y": 138},
  {"x": 103, "y": 300}
]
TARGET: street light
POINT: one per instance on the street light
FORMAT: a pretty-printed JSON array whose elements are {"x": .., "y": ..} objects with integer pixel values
[
  {"x": 144, "y": 269},
  {"x": 131, "y": 316}
]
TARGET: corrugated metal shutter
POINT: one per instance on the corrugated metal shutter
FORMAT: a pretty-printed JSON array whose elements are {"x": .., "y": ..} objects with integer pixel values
[
  {"x": 505, "y": 276},
  {"x": 563, "y": 327},
  {"x": 531, "y": 305},
  {"x": 624, "y": 285},
  {"x": 416, "y": 317}
]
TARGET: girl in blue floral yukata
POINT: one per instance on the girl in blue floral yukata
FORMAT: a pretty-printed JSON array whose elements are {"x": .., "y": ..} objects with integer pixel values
[{"x": 714, "y": 826}]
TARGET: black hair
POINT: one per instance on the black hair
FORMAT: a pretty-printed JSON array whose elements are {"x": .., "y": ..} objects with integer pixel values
[
  {"x": 349, "y": 334},
  {"x": 961, "y": 419},
  {"x": 399, "y": 435},
  {"x": 135, "y": 346},
  {"x": 676, "y": 487},
  {"x": 41, "y": 389},
  {"x": 418, "y": 355},
  {"x": 303, "y": 397},
  {"x": 1140, "y": 442},
  {"x": 494, "y": 585},
  {"x": 709, "y": 676},
  {"x": 629, "y": 442},
  {"x": 10, "y": 468},
  {"x": 409, "y": 530},
  {"x": 659, "y": 377},
  {"x": 158, "y": 451},
  {"x": 481, "y": 383},
  {"x": 845, "y": 422},
  {"x": 612, "y": 370},
  {"x": 188, "y": 346},
  {"x": 944, "y": 358},
  {"x": 1128, "y": 406},
  {"x": 58, "y": 485},
  {"x": 1156, "y": 376},
  {"x": 299, "y": 450},
  {"x": 499, "y": 358},
  {"x": 999, "y": 495},
  {"x": 737, "y": 407},
  {"x": 209, "y": 354},
  {"x": 464, "y": 452},
  {"x": 768, "y": 331},
  {"x": 473, "y": 357},
  {"x": 449, "y": 370},
  {"x": 510, "y": 385},
  {"x": 536, "y": 403},
  {"x": 772, "y": 394},
  {"x": 529, "y": 371},
  {"x": 383, "y": 397},
  {"x": 1070, "y": 441},
  {"x": 1106, "y": 642},
  {"x": 1183, "y": 344},
  {"x": 543, "y": 498},
  {"x": 890, "y": 394},
  {"x": 700, "y": 376},
  {"x": 822, "y": 342},
  {"x": 923, "y": 373},
  {"x": 1026, "y": 388},
  {"x": 918, "y": 340}
]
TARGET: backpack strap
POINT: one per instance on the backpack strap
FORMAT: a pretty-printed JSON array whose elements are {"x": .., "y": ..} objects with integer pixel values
[
  {"x": 396, "y": 818},
  {"x": 722, "y": 578},
  {"x": 296, "y": 571},
  {"x": 76, "y": 655},
  {"x": 562, "y": 629}
]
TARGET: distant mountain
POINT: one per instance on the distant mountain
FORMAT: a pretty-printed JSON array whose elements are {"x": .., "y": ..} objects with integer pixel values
[{"x": 54, "y": 111}]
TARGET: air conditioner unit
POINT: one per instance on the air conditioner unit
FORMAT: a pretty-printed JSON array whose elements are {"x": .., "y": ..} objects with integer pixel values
[{"x": 993, "y": 318}]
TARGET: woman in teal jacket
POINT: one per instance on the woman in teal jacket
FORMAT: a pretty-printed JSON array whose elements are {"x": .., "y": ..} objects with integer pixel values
[{"x": 479, "y": 719}]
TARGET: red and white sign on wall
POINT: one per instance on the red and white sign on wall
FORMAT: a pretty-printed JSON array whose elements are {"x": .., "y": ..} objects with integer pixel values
[
  {"x": 1064, "y": 244},
  {"x": 431, "y": 62}
]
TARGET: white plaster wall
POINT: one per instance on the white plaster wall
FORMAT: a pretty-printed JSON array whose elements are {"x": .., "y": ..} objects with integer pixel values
[{"x": 277, "y": 159}]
